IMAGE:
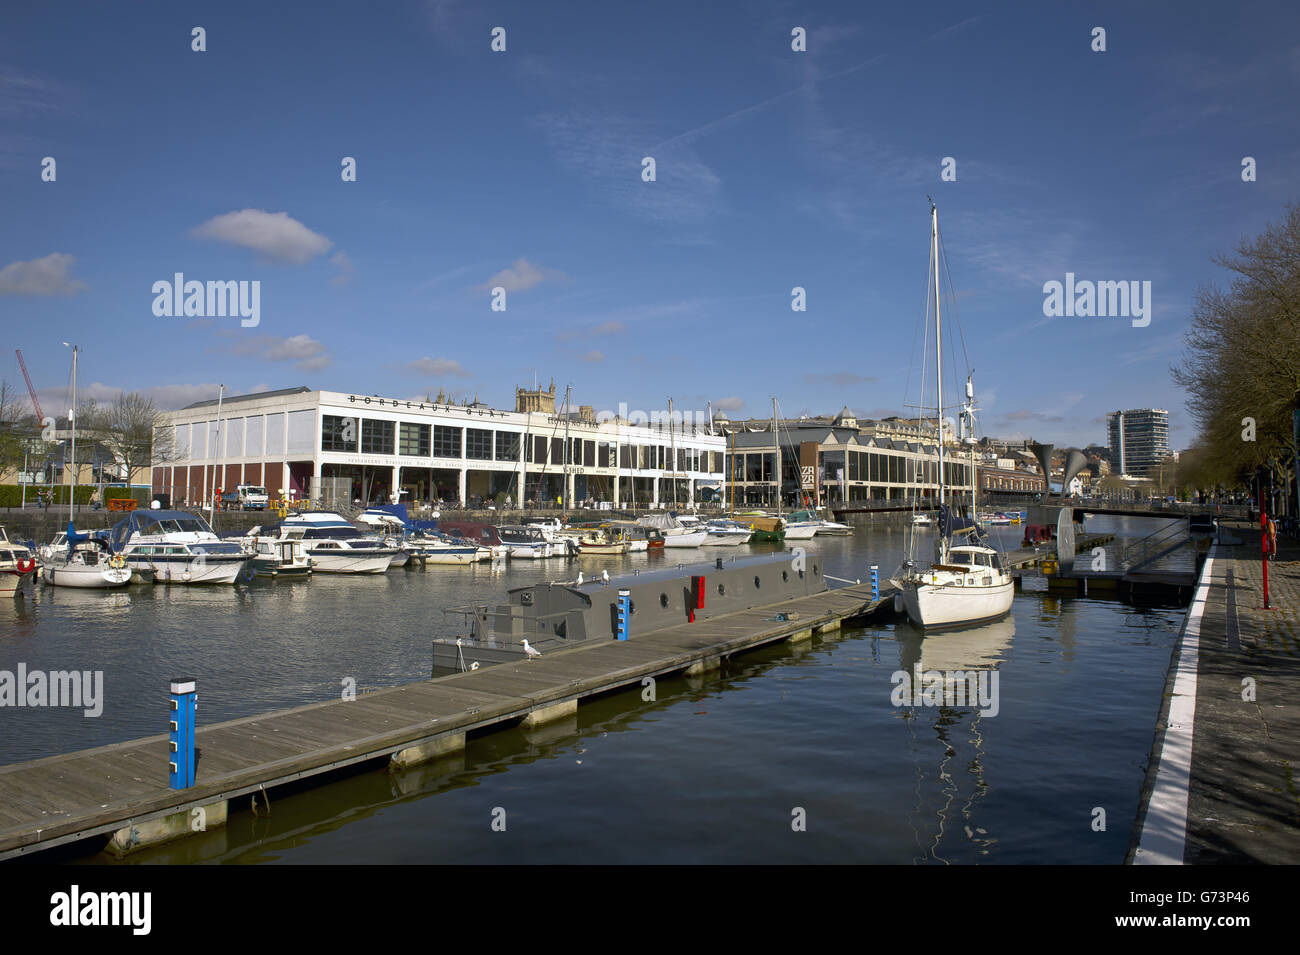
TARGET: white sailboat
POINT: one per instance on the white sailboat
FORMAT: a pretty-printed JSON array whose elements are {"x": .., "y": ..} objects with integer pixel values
[
  {"x": 966, "y": 583},
  {"x": 82, "y": 562}
]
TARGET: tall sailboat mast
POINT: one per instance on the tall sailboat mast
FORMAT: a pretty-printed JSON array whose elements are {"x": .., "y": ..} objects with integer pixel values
[
  {"x": 216, "y": 461},
  {"x": 938, "y": 338},
  {"x": 672, "y": 441},
  {"x": 776, "y": 438},
  {"x": 72, "y": 423}
]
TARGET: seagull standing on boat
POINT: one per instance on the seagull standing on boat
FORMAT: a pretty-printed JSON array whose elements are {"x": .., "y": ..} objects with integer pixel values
[{"x": 531, "y": 651}]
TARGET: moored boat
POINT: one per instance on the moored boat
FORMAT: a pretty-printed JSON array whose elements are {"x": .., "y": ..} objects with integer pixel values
[
  {"x": 17, "y": 565},
  {"x": 177, "y": 547}
]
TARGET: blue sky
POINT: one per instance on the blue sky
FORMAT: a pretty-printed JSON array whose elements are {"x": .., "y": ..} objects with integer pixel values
[{"x": 775, "y": 169}]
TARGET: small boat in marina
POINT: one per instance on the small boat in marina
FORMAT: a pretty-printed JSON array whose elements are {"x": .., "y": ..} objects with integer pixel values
[
  {"x": 727, "y": 533},
  {"x": 823, "y": 526},
  {"x": 920, "y": 519},
  {"x": 604, "y": 541},
  {"x": 277, "y": 557},
  {"x": 482, "y": 534},
  {"x": 87, "y": 563},
  {"x": 334, "y": 545},
  {"x": 524, "y": 542},
  {"x": 17, "y": 565},
  {"x": 177, "y": 547},
  {"x": 675, "y": 532},
  {"x": 766, "y": 529}
]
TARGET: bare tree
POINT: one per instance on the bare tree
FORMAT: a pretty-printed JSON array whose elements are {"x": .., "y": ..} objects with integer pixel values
[
  {"x": 1241, "y": 361},
  {"x": 133, "y": 431}
]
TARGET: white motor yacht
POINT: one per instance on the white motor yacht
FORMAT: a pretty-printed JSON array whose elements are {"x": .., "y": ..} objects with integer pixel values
[
  {"x": 177, "y": 547},
  {"x": 335, "y": 546}
]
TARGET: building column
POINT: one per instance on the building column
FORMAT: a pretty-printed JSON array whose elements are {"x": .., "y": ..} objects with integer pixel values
[
  {"x": 618, "y": 481},
  {"x": 568, "y": 488},
  {"x": 690, "y": 493},
  {"x": 654, "y": 490},
  {"x": 460, "y": 484},
  {"x": 315, "y": 480},
  {"x": 396, "y": 486}
]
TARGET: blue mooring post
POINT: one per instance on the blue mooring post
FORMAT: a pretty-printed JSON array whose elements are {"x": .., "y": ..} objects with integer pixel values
[
  {"x": 875, "y": 581},
  {"x": 181, "y": 760},
  {"x": 624, "y": 613}
]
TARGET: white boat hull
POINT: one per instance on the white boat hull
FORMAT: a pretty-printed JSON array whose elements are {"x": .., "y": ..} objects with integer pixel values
[
  {"x": 191, "y": 569},
  {"x": 348, "y": 562},
  {"x": 801, "y": 531},
  {"x": 946, "y": 604},
  {"x": 728, "y": 538},
  {"x": 86, "y": 577},
  {"x": 689, "y": 539},
  {"x": 457, "y": 555}
]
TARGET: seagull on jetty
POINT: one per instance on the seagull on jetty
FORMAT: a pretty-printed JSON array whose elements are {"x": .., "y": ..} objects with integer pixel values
[
  {"x": 579, "y": 581},
  {"x": 604, "y": 575},
  {"x": 531, "y": 651}
]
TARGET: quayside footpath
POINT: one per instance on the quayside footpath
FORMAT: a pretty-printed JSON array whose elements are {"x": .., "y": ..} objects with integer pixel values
[{"x": 1239, "y": 783}]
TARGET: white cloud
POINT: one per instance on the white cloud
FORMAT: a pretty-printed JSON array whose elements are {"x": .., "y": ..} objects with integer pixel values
[
  {"x": 732, "y": 403},
  {"x": 609, "y": 328},
  {"x": 593, "y": 357},
  {"x": 47, "y": 276},
  {"x": 276, "y": 235},
  {"x": 341, "y": 262},
  {"x": 306, "y": 353},
  {"x": 522, "y": 275},
  {"x": 437, "y": 367}
]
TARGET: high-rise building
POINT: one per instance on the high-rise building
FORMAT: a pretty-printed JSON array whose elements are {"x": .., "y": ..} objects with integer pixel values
[{"x": 1138, "y": 440}]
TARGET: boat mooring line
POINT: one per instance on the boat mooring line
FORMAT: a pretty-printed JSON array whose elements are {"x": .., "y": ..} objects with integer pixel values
[{"x": 1164, "y": 829}]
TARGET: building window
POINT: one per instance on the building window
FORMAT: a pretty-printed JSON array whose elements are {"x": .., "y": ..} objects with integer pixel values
[
  {"x": 478, "y": 444},
  {"x": 589, "y": 454},
  {"x": 376, "y": 436},
  {"x": 508, "y": 446},
  {"x": 446, "y": 442},
  {"x": 414, "y": 440},
  {"x": 337, "y": 433},
  {"x": 603, "y": 450}
]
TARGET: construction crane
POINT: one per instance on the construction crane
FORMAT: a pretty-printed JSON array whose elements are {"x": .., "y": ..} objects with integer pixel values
[{"x": 30, "y": 390}]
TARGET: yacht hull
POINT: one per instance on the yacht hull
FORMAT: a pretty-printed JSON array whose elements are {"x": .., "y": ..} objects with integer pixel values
[
  {"x": 935, "y": 606},
  {"x": 87, "y": 578}
]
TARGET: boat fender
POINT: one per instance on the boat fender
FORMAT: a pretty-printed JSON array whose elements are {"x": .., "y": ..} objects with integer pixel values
[
  {"x": 26, "y": 565},
  {"x": 117, "y": 561}
]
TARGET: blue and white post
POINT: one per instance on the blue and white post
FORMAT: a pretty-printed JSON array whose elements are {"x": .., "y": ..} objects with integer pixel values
[
  {"x": 184, "y": 702},
  {"x": 624, "y": 613},
  {"x": 875, "y": 581}
]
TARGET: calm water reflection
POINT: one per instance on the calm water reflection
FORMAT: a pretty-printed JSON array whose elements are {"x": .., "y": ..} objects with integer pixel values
[{"x": 711, "y": 771}]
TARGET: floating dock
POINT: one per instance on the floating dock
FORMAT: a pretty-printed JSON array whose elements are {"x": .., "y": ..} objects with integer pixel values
[{"x": 121, "y": 791}]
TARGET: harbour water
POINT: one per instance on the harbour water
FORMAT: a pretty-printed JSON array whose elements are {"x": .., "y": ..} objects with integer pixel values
[{"x": 722, "y": 769}]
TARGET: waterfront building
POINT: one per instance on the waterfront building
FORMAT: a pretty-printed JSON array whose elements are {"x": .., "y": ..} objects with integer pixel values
[
  {"x": 340, "y": 448},
  {"x": 1138, "y": 440},
  {"x": 833, "y": 459}
]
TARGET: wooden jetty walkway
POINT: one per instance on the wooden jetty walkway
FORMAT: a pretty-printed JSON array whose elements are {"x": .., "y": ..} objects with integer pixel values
[{"x": 121, "y": 790}]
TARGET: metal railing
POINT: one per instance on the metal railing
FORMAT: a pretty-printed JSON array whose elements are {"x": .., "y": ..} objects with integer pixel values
[{"x": 1155, "y": 545}]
